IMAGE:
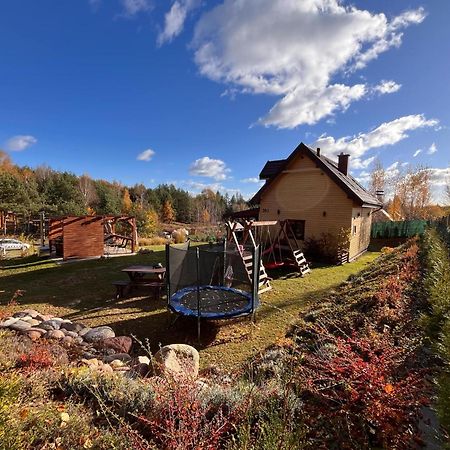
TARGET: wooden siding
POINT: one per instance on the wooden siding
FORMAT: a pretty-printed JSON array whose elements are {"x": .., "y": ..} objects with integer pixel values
[
  {"x": 305, "y": 192},
  {"x": 83, "y": 237},
  {"x": 361, "y": 222}
]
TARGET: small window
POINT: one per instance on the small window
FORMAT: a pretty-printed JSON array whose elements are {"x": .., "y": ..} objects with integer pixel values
[
  {"x": 298, "y": 228},
  {"x": 354, "y": 229}
]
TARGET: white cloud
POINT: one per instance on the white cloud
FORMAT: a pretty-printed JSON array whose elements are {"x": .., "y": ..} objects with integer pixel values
[
  {"x": 388, "y": 133},
  {"x": 293, "y": 49},
  {"x": 387, "y": 87},
  {"x": 208, "y": 167},
  {"x": 251, "y": 180},
  {"x": 146, "y": 155},
  {"x": 417, "y": 152},
  {"x": 133, "y": 7},
  {"x": 175, "y": 18},
  {"x": 19, "y": 143},
  {"x": 432, "y": 149}
]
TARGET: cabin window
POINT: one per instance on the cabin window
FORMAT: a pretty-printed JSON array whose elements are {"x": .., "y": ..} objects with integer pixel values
[
  {"x": 298, "y": 228},
  {"x": 354, "y": 230}
]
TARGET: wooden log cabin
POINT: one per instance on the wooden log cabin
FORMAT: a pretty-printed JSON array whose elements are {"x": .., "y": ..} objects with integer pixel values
[{"x": 318, "y": 196}]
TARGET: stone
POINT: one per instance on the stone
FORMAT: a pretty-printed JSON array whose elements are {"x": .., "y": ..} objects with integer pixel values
[
  {"x": 66, "y": 339},
  {"x": 32, "y": 322},
  {"x": 90, "y": 361},
  {"x": 20, "y": 325},
  {"x": 33, "y": 334},
  {"x": 43, "y": 317},
  {"x": 50, "y": 324},
  {"x": 78, "y": 340},
  {"x": 20, "y": 314},
  {"x": 177, "y": 360},
  {"x": 98, "y": 334},
  {"x": 39, "y": 330},
  {"x": 84, "y": 331},
  {"x": 70, "y": 326},
  {"x": 54, "y": 334},
  {"x": 117, "y": 356},
  {"x": 25, "y": 318},
  {"x": 8, "y": 322},
  {"x": 107, "y": 368},
  {"x": 31, "y": 312},
  {"x": 141, "y": 366},
  {"x": 116, "y": 363},
  {"x": 72, "y": 334},
  {"x": 121, "y": 344}
]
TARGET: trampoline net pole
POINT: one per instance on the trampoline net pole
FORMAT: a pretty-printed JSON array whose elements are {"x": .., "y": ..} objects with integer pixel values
[
  {"x": 197, "y": 255},
  {"x": 168, "y": 273},
  {"x": 255, "y": 280}
]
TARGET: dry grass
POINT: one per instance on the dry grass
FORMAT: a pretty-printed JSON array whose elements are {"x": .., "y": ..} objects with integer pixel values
[{"x": 82, "y": 291}]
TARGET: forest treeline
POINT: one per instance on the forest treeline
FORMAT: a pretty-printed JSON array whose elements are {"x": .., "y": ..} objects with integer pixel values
[{"x": 28, "y": 191}]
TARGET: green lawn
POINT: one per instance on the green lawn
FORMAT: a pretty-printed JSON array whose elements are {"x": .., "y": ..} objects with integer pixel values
[{"x": 82, "y": 291}]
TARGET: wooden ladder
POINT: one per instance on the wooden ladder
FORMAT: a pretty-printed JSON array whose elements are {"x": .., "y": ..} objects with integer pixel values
[
  {"x": 300, "y": 260},
  {"x": 264, "y": 279}
]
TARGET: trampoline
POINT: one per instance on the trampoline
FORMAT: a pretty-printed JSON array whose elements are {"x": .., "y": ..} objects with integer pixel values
[{"x": 210, "y": 282}]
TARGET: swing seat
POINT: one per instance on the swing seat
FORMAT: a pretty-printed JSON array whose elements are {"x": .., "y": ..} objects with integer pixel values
[{"x": 273, "y": 265}]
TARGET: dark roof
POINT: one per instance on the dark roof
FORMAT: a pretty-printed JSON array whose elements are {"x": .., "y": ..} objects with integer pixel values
[
  {"x": 251, "y": 213},
  {"x": 346, "y": 182},
  {"x": 271, "y": 168}
]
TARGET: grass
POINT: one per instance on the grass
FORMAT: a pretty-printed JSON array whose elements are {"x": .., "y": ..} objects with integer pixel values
[{"x": 82, "y": 291}]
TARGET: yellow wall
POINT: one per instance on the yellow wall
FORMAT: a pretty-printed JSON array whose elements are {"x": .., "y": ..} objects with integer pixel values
[
  {"x": 362, "y": 222},
  {"x": 305, "y": 192}
]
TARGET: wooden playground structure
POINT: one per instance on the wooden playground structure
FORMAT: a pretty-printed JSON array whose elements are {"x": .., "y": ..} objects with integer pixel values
[{"x": 279, "y": 247}]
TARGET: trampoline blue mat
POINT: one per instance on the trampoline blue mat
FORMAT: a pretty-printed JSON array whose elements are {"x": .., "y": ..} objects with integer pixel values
[{"x": 216, "y": 302}]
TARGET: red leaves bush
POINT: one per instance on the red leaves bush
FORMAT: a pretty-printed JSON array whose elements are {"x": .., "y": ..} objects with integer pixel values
[
  {"x": 39, "y": 357},
  {"x": 362, "y": 391}
]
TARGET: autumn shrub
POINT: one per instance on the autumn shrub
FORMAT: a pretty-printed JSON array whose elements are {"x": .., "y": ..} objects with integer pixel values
[
  {"x": 437, "y": 287},
  {"x": 155, "y": 240},
  {"x": 182, "y": 418},
  {"x": 328, "y": 247}
]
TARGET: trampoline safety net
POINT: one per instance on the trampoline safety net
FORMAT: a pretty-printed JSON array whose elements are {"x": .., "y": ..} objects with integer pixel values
[{"x": 211, "y": 281}]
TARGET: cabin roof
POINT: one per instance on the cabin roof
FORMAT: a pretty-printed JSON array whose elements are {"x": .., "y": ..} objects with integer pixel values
[{"x": 273, "y": 169}]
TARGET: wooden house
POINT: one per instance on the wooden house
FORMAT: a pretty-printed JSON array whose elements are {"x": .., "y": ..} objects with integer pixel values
[{"x": 319, "y": 197}]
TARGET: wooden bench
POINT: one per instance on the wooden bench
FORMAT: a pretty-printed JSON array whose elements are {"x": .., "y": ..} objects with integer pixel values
[
  {"x": 121, "y": 287},
  {"x": 155, "y": 286}
]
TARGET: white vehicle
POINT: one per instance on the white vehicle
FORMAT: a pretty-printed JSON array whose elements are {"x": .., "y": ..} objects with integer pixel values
[{"x": 13, "y": 244}]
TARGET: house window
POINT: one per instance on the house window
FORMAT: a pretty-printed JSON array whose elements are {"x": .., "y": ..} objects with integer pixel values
[
  {"x": 354, "y": 230},
  {"x": 298, "y": 228}
]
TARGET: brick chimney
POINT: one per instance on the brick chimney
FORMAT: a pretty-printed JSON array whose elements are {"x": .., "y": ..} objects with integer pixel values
[
  {"x": 318, "y": 151},
  {"x": 343, "y": 163}
]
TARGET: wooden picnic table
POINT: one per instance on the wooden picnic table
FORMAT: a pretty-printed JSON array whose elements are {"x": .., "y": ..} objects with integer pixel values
[
  {"x": 139, "y": 274},
  {"x": 142, "y": 276}
]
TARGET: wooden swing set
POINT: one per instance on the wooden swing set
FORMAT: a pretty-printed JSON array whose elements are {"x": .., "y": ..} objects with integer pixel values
[{"x": 278, "y": 249}]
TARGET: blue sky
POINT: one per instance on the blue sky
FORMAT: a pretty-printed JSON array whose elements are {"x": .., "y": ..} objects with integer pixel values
[{"x": 202, "y": 93}]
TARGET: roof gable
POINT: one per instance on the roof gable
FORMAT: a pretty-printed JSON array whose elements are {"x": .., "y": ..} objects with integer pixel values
[{"x": 353, "y": 189}]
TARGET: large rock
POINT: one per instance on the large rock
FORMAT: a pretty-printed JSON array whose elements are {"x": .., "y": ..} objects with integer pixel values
[
  {"x": 84, "y": 331},
  {"x": 70, "y": 326},
  {"x": 99, "y": 334},
  {"x": 8, "y": 322},
  {"x": 31, "y": 312},
  {"x": 20, "y": 325},
  {"x": 177, "y": 360},
  {"x": 120, "y": 344},
  {"x": 124, "y": 357},
  {"x": 31, "y": 321},
  {"x": 34, "y": 335},
  {"x": 55, "y": 334},
  {"x": 49, "y": 325}
]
